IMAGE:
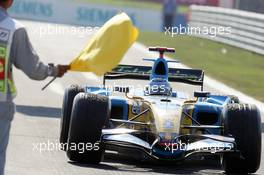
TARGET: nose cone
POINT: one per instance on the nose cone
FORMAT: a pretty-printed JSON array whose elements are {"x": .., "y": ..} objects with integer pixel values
[{"x": 167, "y": 115}]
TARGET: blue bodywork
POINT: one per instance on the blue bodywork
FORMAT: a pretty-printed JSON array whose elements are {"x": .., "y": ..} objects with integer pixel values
[{"x": 204, "y": 107}]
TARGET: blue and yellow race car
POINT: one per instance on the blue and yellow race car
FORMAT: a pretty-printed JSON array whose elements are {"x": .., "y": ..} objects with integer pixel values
[{"x": 159, "y": 122}]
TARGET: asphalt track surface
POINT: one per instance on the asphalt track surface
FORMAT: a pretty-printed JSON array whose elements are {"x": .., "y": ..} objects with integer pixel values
[{"x": 38, "y": 118}]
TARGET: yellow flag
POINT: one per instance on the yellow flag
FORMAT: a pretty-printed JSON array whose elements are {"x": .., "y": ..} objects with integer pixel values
[{"x": 107, "y": 47}]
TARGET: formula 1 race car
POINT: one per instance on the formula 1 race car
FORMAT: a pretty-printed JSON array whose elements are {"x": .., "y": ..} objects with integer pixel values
[{"x": 159, "y": 122}]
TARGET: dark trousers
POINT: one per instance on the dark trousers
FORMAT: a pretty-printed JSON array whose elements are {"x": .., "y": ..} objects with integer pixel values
[
  {"x": 6, "y": 115},
  {"x": 168, "y": 21}
]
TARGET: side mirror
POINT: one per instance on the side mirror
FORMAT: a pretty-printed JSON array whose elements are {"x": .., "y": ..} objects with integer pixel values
[{"x": 121, "y": 89}]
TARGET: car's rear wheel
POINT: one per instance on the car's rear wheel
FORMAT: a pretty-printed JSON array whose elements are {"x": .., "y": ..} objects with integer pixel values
[
  {"x": 68, "y": 98},
  {"x": 243, "y": 122},
  {"x": 89, "y": 114}
]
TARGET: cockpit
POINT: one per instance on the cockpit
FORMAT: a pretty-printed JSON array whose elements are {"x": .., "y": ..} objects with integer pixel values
[
  {"x": 160, "y": 69},
  {"x": 159, "y": 84}
]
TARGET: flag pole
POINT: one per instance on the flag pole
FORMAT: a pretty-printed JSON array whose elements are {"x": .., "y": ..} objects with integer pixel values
[{"x": 53, "y": 79}]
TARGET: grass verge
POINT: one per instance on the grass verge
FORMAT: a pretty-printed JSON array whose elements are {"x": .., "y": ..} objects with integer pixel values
[{"x": 238, "y": 68}]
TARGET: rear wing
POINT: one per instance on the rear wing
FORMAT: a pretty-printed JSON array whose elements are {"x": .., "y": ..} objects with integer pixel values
[{"x": 188, "y": 76}]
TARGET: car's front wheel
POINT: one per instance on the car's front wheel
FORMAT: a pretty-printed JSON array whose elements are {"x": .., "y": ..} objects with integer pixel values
[
  {"x": 89, "y": 114},
  {"x": 243, "y": 122},
  {"x": 68, "y": 98}
]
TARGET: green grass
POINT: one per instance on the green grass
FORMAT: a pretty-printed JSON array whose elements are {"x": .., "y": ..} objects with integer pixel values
[
  {"x": 134, "y": 4},
  {"x": 238, "y": 68}
]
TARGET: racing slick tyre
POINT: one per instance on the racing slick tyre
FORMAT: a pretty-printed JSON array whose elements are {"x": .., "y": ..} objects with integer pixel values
[
  {"x": 89, "y": 113},
  {"x": 68, "y": 98},
  {"x": 243, "y": 122}
]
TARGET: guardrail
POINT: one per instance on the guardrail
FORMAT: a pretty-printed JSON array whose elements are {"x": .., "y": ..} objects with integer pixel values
[{"x": 247, "y": 28}]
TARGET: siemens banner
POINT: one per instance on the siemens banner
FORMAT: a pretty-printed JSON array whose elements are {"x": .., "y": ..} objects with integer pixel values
[{"x": 83, "y": 14}]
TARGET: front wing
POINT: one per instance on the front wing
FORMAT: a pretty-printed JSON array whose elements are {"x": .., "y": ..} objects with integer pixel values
[{"x": 203, "y": 144}]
